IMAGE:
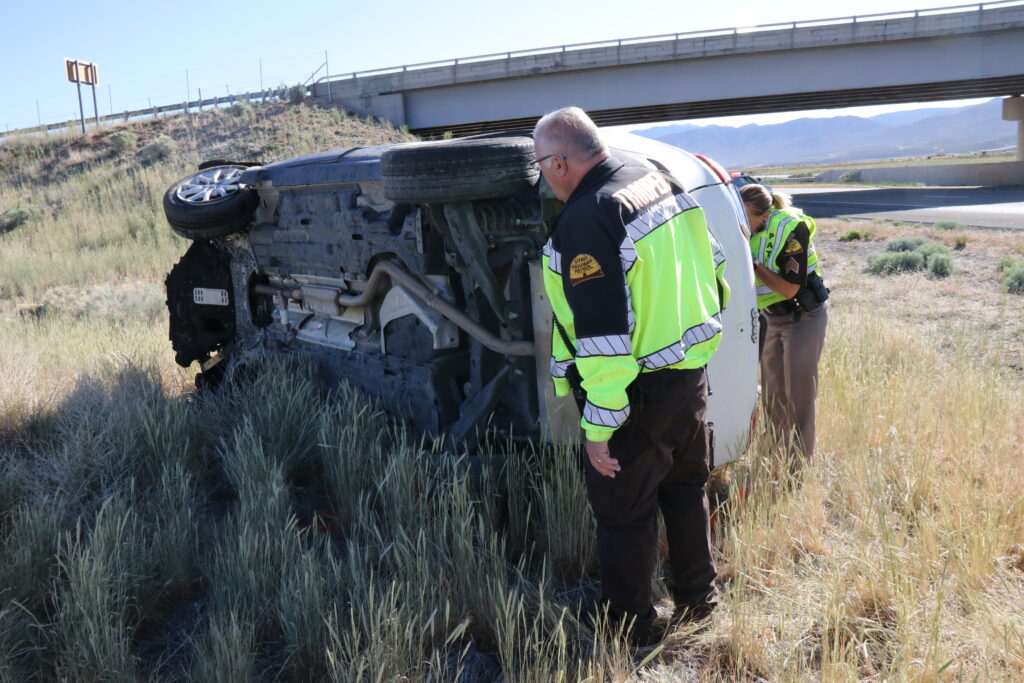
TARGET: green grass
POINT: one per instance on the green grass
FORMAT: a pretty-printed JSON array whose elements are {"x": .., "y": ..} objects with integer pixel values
[
  {"x": 272, "y": 531},
  {"x": 338, "y": 548}
]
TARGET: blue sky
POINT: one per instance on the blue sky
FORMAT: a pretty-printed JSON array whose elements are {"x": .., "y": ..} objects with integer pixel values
[{"x": 144, "y": 49}]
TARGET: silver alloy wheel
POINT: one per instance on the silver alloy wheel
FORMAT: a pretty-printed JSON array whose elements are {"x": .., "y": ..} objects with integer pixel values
[{"x": 208, "y": 186}]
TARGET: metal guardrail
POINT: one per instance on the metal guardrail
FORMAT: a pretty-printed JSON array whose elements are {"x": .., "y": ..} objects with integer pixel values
[
  {"x": 505, "y": 56},
  {"x": 153, "y": 111}
]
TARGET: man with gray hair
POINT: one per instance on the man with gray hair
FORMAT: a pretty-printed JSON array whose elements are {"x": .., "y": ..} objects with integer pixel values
[{"x": 637, "y": 300}]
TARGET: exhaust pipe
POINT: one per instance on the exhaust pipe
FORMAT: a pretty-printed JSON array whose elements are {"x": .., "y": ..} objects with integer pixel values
[{"x": 428, "y": 296}]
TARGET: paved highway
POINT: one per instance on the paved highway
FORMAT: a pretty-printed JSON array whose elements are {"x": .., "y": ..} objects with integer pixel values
[{"x": 983, "y": 207}]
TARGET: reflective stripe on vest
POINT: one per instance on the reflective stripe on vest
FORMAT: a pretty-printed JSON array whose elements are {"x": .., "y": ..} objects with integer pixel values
[
  {"x": 676, "y": 353},
  {"x": 604, "y": 417}
]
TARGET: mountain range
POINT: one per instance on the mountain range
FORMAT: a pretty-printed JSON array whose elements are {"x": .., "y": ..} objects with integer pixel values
[{"x": 917, "y": 132}]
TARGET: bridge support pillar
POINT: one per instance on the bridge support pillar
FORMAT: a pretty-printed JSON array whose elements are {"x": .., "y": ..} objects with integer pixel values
[
  {"x": 386, "y": 107},
  {"x": 1013, "y": 110}
]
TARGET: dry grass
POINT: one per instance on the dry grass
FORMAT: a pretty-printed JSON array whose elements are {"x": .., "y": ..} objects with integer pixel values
[
  {"x": 96, "y": 214},
  {"x": 966, "y": 310},
  {"x": 272, "y": 532}
]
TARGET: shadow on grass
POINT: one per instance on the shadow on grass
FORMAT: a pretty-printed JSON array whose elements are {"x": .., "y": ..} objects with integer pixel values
[{"x": 268, "y": 530}]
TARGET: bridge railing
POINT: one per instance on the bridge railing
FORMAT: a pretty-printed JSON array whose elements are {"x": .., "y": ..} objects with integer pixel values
[{"x": 498, "y": 56}]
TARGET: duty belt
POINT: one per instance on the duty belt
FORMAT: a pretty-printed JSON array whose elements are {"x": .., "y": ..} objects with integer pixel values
[{"x": 781, "y": 307}]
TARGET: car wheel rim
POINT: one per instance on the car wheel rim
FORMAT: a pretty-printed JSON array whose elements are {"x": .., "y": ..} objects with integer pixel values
[{"x": 210, "y": 186}]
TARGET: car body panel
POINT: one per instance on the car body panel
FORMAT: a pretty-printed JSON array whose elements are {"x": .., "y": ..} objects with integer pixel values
[{"x": 323, "y": 221}]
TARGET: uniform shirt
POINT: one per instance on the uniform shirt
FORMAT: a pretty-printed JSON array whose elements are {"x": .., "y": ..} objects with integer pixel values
[
  {"x": 785, "y": 246},
  {"x": 631, "y": 271}
]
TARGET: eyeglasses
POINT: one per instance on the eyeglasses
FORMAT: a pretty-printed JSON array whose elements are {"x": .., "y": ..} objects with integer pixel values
[{"x": 536, "y": 164}]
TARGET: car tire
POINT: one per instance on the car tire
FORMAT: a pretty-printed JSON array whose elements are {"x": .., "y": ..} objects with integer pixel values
[
  {"x": 459, "y": 170},
  {"x": 210, "y": 204}
]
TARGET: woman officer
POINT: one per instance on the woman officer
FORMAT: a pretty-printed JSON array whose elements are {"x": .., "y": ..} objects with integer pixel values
[{"x": 792, "y": 297}]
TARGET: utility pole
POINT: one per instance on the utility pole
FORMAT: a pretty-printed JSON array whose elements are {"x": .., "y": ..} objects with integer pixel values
[
  {"x": 188, "y": 91},
  {"x": 327, "y": 73}
]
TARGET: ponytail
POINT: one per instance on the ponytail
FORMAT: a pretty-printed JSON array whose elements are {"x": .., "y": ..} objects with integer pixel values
[{"x": 781, "y": 200}]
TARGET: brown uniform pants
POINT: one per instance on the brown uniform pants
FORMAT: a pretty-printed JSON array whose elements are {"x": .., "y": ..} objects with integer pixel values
[
  {"x": 789, "y": 375},
  {"x": 665, "y": 453}
]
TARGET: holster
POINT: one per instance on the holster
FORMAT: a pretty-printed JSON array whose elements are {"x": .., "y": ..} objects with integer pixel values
[{"x": 811, "y": 296}]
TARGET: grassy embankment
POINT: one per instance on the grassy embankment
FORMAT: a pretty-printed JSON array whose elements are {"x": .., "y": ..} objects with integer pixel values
[{"x": 149, "y": 534}]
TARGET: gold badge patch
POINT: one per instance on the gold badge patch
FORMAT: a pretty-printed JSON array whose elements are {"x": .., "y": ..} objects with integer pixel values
[
  {"x": 584, "y": 267},
  {"x": 792, "y": 247}
]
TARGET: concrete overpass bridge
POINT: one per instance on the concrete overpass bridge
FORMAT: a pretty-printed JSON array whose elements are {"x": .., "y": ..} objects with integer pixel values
[{"x": 914, "y": 56}]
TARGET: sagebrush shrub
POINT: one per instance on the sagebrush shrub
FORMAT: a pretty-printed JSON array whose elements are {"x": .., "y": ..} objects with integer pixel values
[
  {"x": 160, "y": 148},
  {"x": 1014, "y": 280},
  {"x": 12, "y": 219},
  {"x": 940, "y": 265},
  {"x": 297, "y": 94},
  {"x": 888, "y": 263},
  {"x": 949, "y": 225},
  {"x": 932, "y": 249},
  {"x": 123, "y": 141},
  {"x": 1004, "y": 263},
  {"x": 240, "y": 109},
  {"x": 905, "y": 243}
]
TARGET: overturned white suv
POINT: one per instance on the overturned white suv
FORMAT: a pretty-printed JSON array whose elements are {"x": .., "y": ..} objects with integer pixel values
[{"x": 412, "y": 271}]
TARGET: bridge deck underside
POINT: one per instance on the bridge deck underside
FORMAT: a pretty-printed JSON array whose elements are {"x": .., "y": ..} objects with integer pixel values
[{"x": 822, "y": 99}]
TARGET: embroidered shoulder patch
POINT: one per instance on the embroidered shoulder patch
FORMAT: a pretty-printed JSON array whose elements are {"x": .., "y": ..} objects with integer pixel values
[
  {"x": 584, "y": 267},
  {"x": 792, "y": 247}
]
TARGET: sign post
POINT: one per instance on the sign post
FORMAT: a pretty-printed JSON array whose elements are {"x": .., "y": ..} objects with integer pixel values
[
  {"x": 79, "y": 72},
  {"x": 94, "y": 81}
]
